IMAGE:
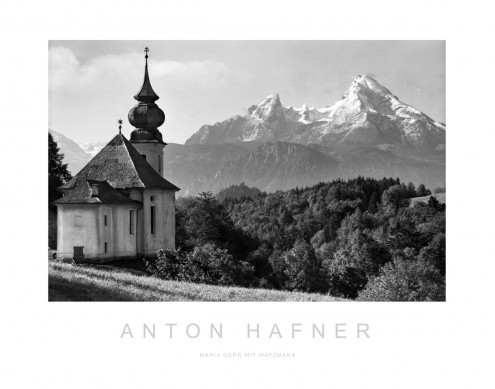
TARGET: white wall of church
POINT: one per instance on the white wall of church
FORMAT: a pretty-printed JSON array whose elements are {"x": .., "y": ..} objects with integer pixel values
[
  {"x": 163, "y": 234},
  {"x": 153, "y": 153},
  {"x": 83, "y": 225},
  {"x": 77, "y": 226}
]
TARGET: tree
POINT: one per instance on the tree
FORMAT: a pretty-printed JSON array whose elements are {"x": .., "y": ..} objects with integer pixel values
[
  {"x": 405, "y": 280},
  {"x": 395, "y": 197},
  {"x": 373, "y": 207},
  {"x": 434, "y": 253},
  {"x": 421, "y": 191},
  {"x": 411, "y": 189},
  {"x": 58, "y": 174},
  {"x": 303, "y": 268},
  {"x": 435, "y": 204},
  {"x": 358, "y": 256}
]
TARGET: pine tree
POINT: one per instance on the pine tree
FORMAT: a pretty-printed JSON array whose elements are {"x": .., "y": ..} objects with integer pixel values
[
  {"x": 372, "y": 206},
  {"x": 421, "y": 191},
  {"x": 58, "y": 174}
]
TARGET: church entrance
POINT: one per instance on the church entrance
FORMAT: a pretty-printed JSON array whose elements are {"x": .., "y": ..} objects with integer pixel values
[{"x": 78, "y": 252}]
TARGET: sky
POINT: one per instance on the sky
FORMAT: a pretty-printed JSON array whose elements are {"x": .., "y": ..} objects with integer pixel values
[{"x": 92, "y": 83}]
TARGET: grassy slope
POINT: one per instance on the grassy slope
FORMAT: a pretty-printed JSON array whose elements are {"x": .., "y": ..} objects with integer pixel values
[
  {"x": 77, "y": 283},
  {"x": 440, "y": 197}
]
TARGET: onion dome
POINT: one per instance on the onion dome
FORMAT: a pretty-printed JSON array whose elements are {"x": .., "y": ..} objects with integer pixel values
[{"x": 146, "y": 116}]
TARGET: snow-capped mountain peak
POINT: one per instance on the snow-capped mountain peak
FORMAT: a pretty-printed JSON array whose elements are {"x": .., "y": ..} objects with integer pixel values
[
  {"x": 368, "y": 114},
  {"x": 269, "y": 108},
  {"x": 366, "y": 83}
]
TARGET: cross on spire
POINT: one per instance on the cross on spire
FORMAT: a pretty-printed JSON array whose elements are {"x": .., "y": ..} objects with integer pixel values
[
  {"x": 146, "y": 50},
  {"x": 120, "y": 125}
]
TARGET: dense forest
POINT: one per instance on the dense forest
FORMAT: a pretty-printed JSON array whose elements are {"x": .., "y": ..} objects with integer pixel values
[{"x": 358, "y": 239}]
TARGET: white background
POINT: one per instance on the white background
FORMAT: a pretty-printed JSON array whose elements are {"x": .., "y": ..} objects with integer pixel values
[{"x": 413, "y": 345}]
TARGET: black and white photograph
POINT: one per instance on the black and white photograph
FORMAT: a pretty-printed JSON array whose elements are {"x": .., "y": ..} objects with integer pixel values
[
  {"x": 330, "y": 187},
  {"x": 247, "y": 194}
]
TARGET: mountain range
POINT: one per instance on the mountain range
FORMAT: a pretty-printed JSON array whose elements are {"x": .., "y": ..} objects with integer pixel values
[{"x": 369, "y": 132}]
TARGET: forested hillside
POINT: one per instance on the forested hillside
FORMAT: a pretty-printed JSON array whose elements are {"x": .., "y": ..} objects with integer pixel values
[{"x": 357, "y": 239}]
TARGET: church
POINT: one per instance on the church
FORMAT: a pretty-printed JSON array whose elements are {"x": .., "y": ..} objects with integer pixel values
[{"x": 119, "y": 206}]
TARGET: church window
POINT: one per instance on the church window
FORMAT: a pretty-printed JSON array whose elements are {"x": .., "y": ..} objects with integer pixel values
[
  {"x": 94, "y": 190},
  {"x": 144, "y": 156},
  {"x": 105, "y": 220},
  {"x": 153, "y": 219},
  {"x": 77, "y": 221},
  {"x": 106, "y": 247},
  {"x": 131, "y": 222}
]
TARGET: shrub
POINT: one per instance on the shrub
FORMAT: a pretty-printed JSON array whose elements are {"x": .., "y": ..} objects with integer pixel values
[
  {"x": 167, "y": 265},
  {"x": 207, "y": 264}
]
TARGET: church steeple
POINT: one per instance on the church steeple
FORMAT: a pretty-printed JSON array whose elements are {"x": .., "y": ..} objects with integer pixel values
[
  {"x": 146, "y": 116},
  {"x": 146, "y": 93}
]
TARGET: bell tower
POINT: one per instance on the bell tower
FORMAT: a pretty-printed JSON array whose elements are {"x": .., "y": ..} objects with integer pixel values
[{"x": 146, "y": 117}]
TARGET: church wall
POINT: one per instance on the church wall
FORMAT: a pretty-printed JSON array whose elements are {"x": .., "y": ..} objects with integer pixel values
[
  {"x": 84, "y": 225},
  {"x": 164, "y": 236},
  {"x": 124, "y": 243},
  {"x": 153, "y": 152},
  {"x": 77, "y": 225}
]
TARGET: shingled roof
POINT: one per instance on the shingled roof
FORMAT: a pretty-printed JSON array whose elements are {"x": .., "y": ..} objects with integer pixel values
[
  {"x": 82, "y": 193},
  {"x": 121, "y": 165}
]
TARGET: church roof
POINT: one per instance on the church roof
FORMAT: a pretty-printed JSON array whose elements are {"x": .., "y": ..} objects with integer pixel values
[
  {"x": 82, "y": 193},
  {"x": 146, "y": 93},
  {"x": 121, "y": 165}
]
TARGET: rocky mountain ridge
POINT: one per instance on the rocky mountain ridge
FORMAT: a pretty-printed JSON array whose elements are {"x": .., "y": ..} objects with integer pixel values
[{"x": 368, "y": 113}]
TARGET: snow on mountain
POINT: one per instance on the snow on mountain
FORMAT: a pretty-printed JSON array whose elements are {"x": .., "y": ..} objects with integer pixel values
[
  {"x": 92, "y": 148},
  {"x": 76, "y": 155},
  {"x": 264, "y": 122},
  {"x": 368, "y": 113}
]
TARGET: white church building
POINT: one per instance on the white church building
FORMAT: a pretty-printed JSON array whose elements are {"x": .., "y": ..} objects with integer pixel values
[{"x": 119, "y": 206}]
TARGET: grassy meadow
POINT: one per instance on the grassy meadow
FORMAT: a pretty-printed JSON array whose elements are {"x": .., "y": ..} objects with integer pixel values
[
  {"x": 67, "y": 282},
  {"x": 441, "y": 197}
]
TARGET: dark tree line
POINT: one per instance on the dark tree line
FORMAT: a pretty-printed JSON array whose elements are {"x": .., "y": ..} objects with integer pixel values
[
  {"x": 357, "y": 238},
  {"x": 58, "y": 174}
]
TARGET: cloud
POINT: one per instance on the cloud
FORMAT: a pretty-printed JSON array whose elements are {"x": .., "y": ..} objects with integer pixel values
[{"x": 109, "y": 72}]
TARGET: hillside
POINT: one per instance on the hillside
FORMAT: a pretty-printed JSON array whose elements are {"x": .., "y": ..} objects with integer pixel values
[
  {"x": 441, "y": 197},
  {"x": 278, "y": 165},
  {"x": 74, "y": 155},
  {"x": 79, "y": 283},
  {"x": 191, "y": 167}
]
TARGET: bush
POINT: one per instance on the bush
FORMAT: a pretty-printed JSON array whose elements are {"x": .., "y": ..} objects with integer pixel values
[
  {"x": 212, "y": 265},
  {"x": 168, "y": 264},
  {"x": 405, "y": 280},
  {"x": 207, "y": 264}
]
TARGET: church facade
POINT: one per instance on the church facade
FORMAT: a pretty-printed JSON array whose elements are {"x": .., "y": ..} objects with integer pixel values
[{"x": 119, "y": 206}]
